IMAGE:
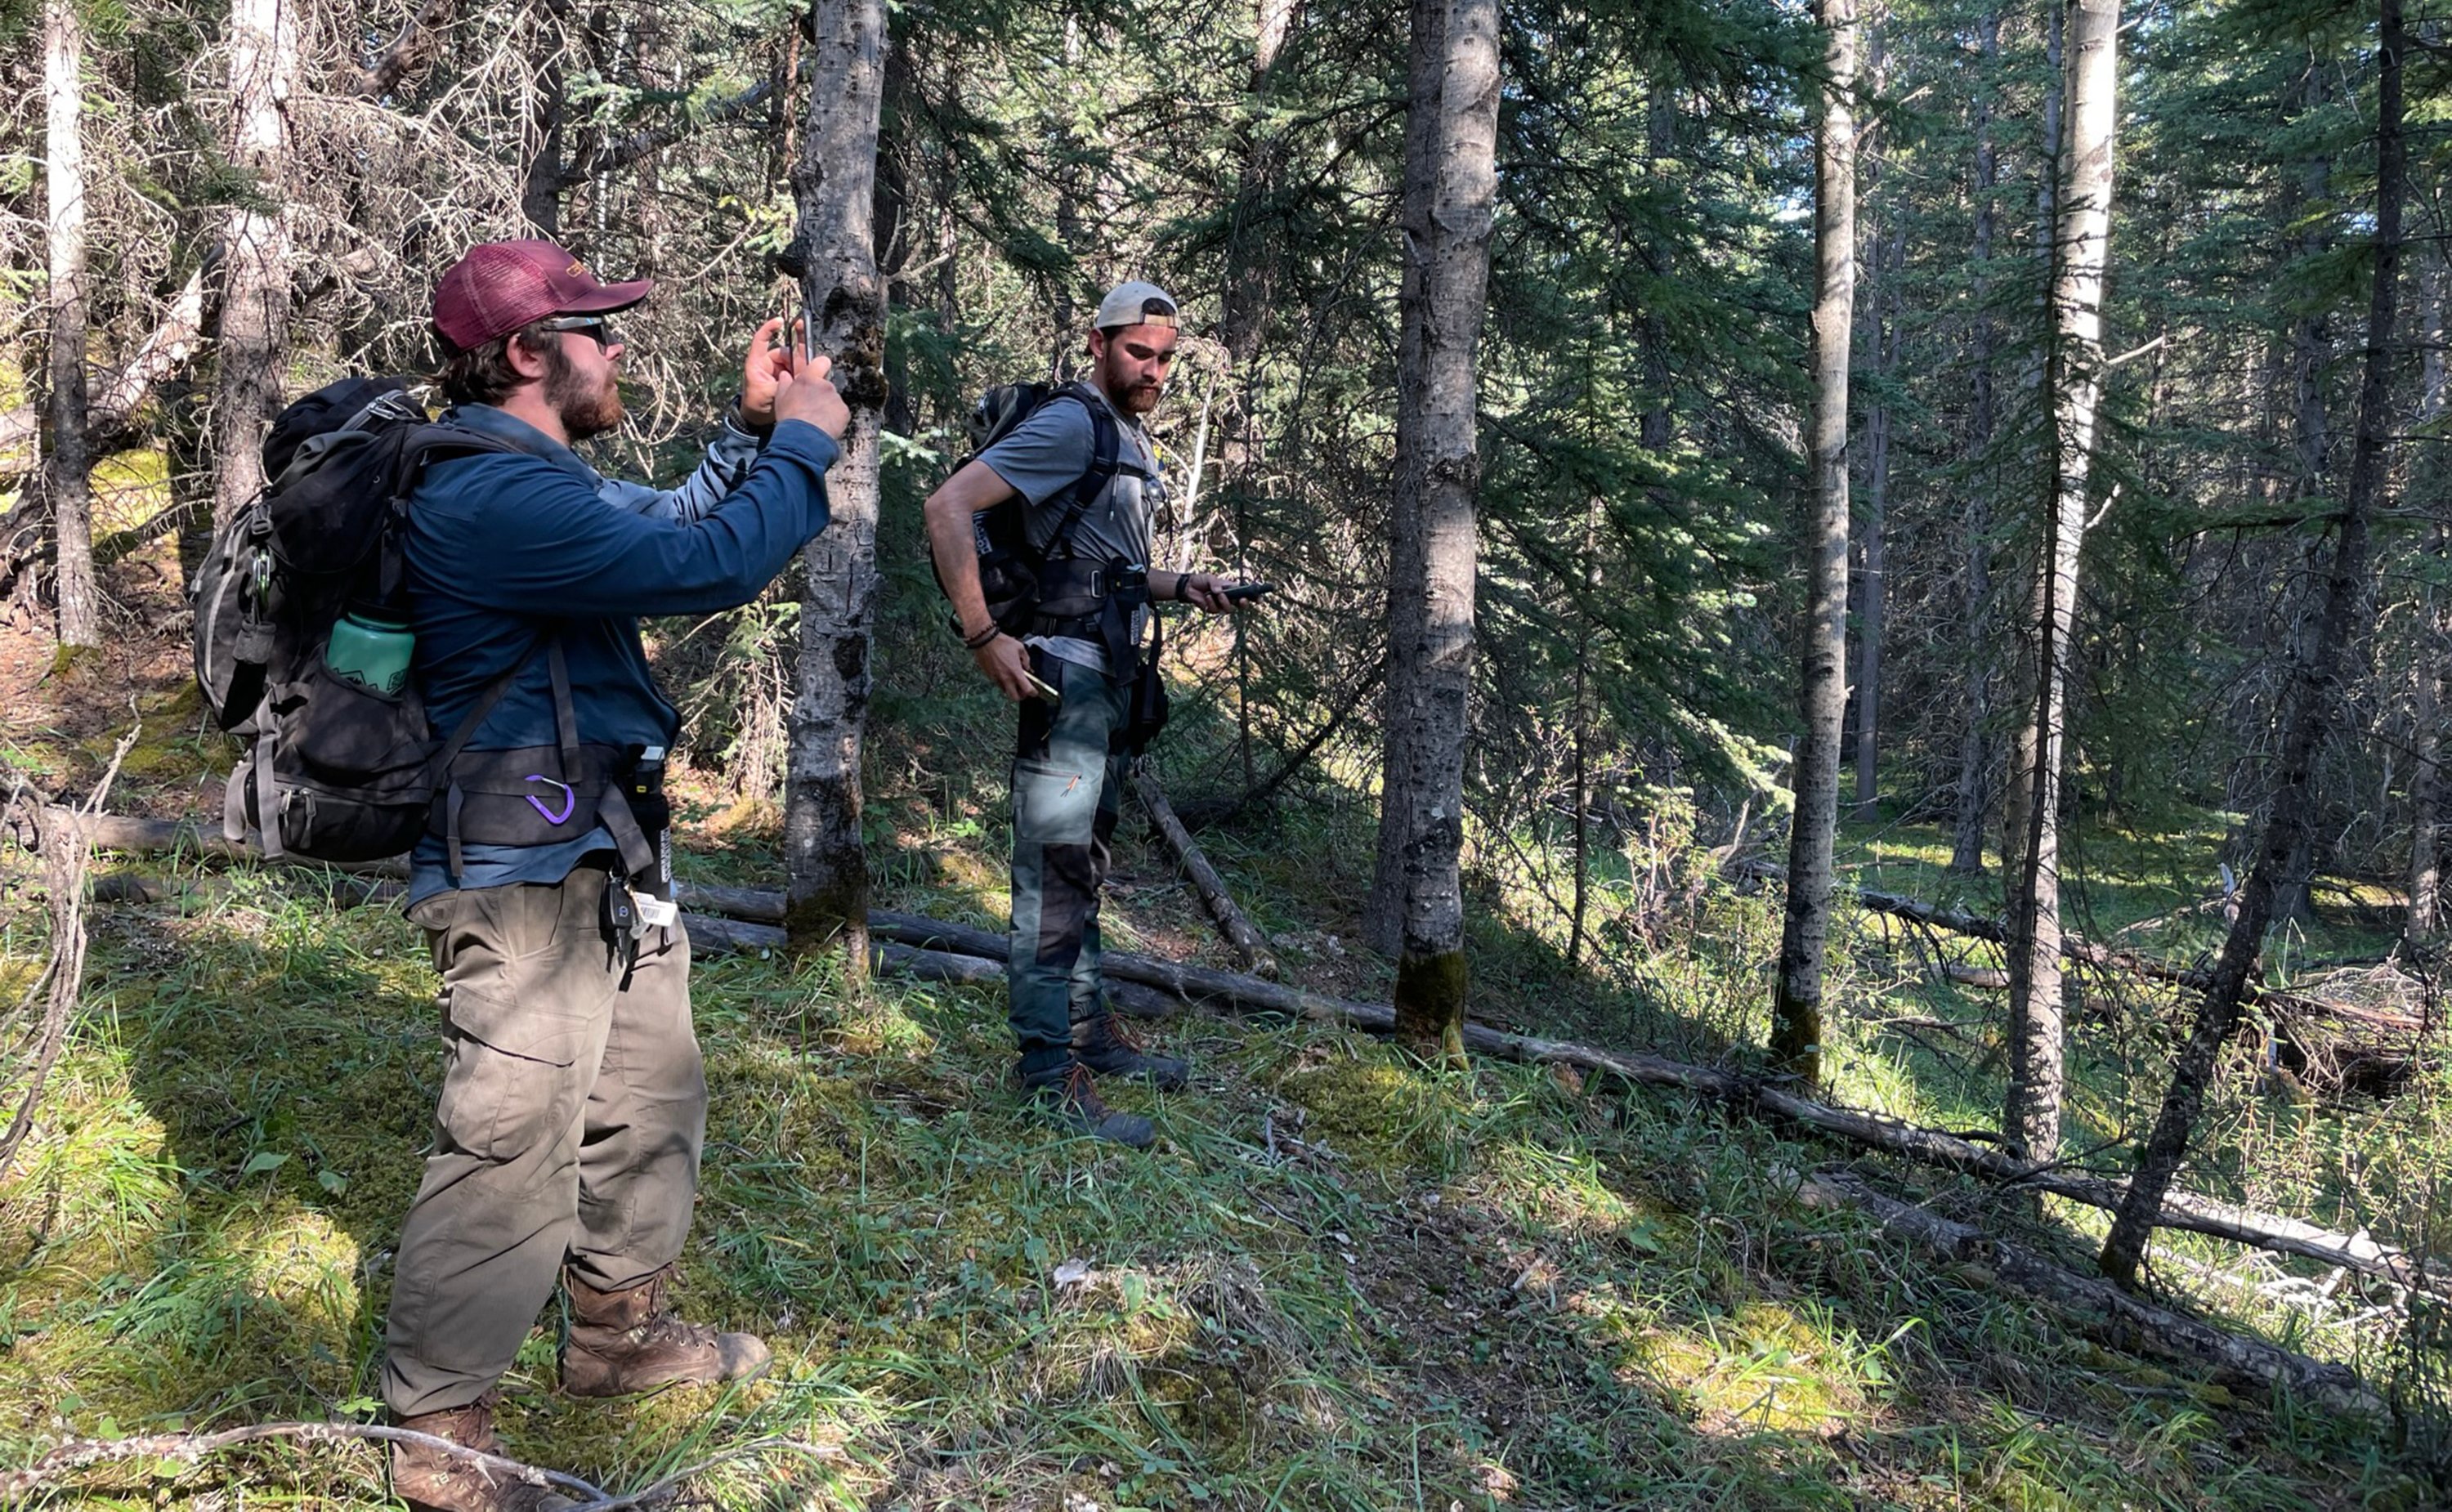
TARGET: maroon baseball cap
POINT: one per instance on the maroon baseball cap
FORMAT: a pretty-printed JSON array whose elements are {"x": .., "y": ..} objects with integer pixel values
[{"x": 499, "y": 286}]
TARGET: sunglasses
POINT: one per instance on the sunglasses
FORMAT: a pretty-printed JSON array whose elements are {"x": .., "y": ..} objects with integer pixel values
[{"x": 595, "y": 327}]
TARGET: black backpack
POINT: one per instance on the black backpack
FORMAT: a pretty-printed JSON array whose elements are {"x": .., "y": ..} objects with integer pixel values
[
  {"x": 334, "y": 770},
  {"x": 1009, "y": 566}
]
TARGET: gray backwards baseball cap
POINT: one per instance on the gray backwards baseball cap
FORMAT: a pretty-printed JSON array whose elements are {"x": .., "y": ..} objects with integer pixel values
[{"x": 1136, "y": 304}]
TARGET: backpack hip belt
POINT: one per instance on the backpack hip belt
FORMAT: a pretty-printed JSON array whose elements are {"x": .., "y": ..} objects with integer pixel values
[{"x": 1094, "y": 601}]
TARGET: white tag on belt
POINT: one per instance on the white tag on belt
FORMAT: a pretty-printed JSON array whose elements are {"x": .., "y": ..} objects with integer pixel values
[{"x": 654, "y": 913}]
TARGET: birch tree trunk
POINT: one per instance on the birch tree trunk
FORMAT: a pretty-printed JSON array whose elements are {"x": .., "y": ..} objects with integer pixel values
[
  {"x": 1796, "y": 1026},
  {"x": 2019, "y": 787},
  {"x": 2315, "y": 686},
  {"x": 1450, "y": 193},
  {"x": 1975, "y": 736},
  {"x": 834, "y": 184},
  {"x": 68, "y": 481},
  {"x": 254, "y": 326},
  {"x": 2073, "y": 387}
]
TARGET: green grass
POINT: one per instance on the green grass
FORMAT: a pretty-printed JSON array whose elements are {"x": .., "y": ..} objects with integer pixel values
[{"x": 1486, "y": 1289}]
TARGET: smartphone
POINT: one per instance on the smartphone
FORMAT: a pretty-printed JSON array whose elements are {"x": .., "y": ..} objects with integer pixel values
[
  {"x": 1249, "y": 590},
  {"x": 1044, "y": 691}
]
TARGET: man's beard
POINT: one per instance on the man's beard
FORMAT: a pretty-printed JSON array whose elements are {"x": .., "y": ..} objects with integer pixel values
[
  {"x": 1144, "y": 398},
  {"x": 583, "y": 412}
]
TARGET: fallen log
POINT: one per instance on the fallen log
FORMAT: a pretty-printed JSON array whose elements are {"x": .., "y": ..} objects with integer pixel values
[
  {"x": 2128, "y": 1318},
  {"x": 138, "y": 837},
  {"x": 1201, "y": 987},
  {"x": 1248, "y": 942},
  {"x": 2181, "y": 1211},
  {"x": 2086, "y": 952}
]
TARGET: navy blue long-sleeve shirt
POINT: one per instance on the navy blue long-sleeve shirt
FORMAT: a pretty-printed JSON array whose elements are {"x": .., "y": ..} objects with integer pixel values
[{"x": 504, "y": 546}]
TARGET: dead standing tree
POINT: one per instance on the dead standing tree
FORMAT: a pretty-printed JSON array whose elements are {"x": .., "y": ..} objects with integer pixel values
[
  {"x": 1450, "y": 194},
  {"x": 68, "y": 481},
  {"x": 2315, "y": 686},
  {"x": 254, "y": 326},
  {"x": 1796, "y": 1000},
  {"x": 834, "y": 256},
  {"x": 2073, "y": 389}
]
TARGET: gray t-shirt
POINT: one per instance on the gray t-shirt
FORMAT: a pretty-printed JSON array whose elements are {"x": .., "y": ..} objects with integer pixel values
[{"x": 1043, "y": 457}]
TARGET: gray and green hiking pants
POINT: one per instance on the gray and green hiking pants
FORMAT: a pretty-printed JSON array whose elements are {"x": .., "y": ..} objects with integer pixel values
[
  {"x": 568, "y": 1130},
  {"x": 1068, "y": 790}
]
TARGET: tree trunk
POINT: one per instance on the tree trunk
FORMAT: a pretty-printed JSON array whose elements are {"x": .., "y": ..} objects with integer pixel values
[
  {"x": 254, "y": 326},
  {"x": 2315, "y": 685},
  {"x": 2427, "y": 784},
  {"x": 1796, "y": 1028},
  {"x": 2019, "y": 789},
  {"x": 2073, "y": 386},
  {"x": 1450, "y": 193},
  {"x": 68, "y": 482},
  {"x": 1253, "y": 244},
  {"x": 542, "y": 174},
  {"x": 1974, "y": 796},
  {"x": 835, "y": 186},
  {"x": 1871, "y": 618}
]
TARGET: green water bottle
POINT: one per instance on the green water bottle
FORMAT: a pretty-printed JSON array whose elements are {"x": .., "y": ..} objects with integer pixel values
[{"x": 371, "y": 649}]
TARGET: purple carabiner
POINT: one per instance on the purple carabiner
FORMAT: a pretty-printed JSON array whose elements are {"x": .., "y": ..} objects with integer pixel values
[{"x": 569, "y": 801}]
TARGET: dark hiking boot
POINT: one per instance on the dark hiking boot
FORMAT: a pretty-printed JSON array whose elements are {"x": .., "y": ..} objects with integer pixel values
[
  {"x": 1069, "y": 1100},
  {"x": 1105, "y": 1046},
  {"x": 627, "y": 1341},
  {"x": 431, "y": 1480}
]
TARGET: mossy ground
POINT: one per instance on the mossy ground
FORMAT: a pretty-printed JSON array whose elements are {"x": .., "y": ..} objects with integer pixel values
[
  {"x": 1486, "y": 1289},
  {"x": 1341, "y": 1281}
]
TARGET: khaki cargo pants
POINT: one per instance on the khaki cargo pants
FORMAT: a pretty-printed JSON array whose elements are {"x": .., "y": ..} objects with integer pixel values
[{"x": 570, "y": 1128}]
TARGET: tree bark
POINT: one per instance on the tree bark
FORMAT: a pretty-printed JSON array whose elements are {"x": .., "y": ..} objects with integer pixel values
[
  {"x": 68, "y": 481},
  {"x": 1797, "y": 1027},
  {"x": 1871, "y": 620},
  {"x": 1975, "y": 743},
  {"x": 254, "y": 326},
  {"x": 834, "y": 182},
  {"x": 2427, "y": 784},
  {"x": 2315, "y": 686},
  {"x": 1450, "y": 194},
  {"x": 543, "y": 176},
  {"x": 2073, "y": 385}
]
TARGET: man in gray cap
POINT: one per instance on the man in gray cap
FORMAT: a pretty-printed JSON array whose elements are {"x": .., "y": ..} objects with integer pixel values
[{"x": 1072, "y": 673}]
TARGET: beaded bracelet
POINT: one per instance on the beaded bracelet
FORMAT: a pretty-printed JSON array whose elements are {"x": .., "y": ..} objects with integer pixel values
[{"x": 974, "y": 642}]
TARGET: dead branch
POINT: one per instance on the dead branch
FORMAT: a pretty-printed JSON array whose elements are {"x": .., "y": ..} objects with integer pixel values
[
  {"x": 2129, "y": 1320},
  {"x": 408, "y": 53},
  {"x": 614, "y": 156},
  {"x": 84, "y": 1453},
  {"x": 1248, "y": 942},
  {"x": 64, "y": 863}
]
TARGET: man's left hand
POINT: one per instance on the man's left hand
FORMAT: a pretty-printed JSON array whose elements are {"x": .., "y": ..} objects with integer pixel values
[
  {"x": 767, "y": 364},
  {"x": 1207, "y": 591}
]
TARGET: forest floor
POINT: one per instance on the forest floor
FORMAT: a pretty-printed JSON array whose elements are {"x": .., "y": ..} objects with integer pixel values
[{"x": 1339, "y": 1282}]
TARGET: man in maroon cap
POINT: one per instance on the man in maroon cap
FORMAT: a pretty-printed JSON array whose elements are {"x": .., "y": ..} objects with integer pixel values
[{"x": 573, "y": 1105}]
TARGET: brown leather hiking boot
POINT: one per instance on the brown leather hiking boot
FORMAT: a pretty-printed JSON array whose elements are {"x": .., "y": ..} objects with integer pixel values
[
  {"x": 622, "y": 1342},
  {"x": 432, "y": 1480},
  {"x": 1102, "y": 1043},
  {"x": 1068, "y": 1099}
]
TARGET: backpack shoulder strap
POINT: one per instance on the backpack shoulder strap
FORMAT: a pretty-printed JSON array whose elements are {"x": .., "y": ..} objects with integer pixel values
[
  {"x": 421, "y": 445},
  {"x": 1106, "y": 446}
]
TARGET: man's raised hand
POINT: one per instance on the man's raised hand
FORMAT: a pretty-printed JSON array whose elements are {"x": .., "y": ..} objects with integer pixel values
[
  {"x": 802, "y": 392},
  {"x": 766, "y": 364}
]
